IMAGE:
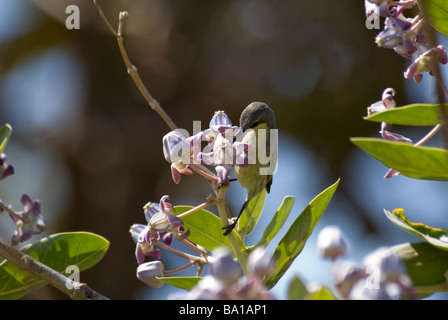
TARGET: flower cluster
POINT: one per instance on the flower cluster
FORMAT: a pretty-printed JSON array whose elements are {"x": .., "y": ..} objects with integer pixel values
[
  {"x": 382, "y": 276},
  {"x": 226, "y": 281},
  {"x": 387, "y": 103},
  {"x": 404, "y": 36},
  {"x": 223, "y": 150},
  {"x": 162, "y": 226},
  {"x": 28, "y": 222}
]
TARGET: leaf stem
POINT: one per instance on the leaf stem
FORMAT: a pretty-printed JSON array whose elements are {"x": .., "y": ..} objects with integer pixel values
[
  {"x": 199, "y": 207},
  {"x": 429, "y": 135},
  {"x": 177, "y": 252},
  {"x": 174, "y": 271}
]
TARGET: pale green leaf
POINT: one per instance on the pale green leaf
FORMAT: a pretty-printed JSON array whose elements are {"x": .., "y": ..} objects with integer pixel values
[
  {"x": 411, "y": 115},
  {"x": 5, "y": 133},
  {"x": 415, "y": 162},
  {"x": 57, "y": 251},
  {"x": 295, "y": 238},
  {"x": 185, "y": 283},
  {"x": 437, "y": 14},
  {"x": 251, "y": 214},
  {"x": 297, "y": 289},
  {"x": 277, "y": 221},
  {"x": 206, "y": 229},
  {"x": 434, "y": 236},
  {"x": 426, "y": 265}
]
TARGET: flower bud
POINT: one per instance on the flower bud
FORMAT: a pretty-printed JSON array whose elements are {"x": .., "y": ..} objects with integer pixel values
[
  {"x": 220, "y": 122},
  {"x": 331, "y": 244},
  {"x": 224, "y": 267},
  {"x": 260, "y": 263},
  {"x": 135, "y": 231},
  {"x": 176, "y": 147},
  {"x": 147, "y": 273}
]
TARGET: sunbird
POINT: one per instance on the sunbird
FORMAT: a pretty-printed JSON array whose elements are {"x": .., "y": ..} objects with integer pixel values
[{"x": 258, "y": 123}]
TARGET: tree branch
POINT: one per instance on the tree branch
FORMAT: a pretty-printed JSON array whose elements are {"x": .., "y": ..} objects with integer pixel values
[
  {"x": 79, "y": 291},
  {"x": 132, "y": 70}
]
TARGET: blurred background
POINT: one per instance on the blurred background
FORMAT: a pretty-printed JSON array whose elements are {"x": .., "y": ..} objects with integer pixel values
[{"x": 88, "y": 146}]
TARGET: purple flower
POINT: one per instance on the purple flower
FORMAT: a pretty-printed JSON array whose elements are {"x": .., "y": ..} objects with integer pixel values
[
  {"x": 425, "y": 62},
  {"x": 403, "y": 35},
  {"x": 387, "y": 103},
  {"x": 374, "y": 9},
  {"x": 386, "y": 278},
  {"x": 177, "y": 151},
  {"x": 5, "y": 169},
  {"x": 220, "y": 122},
  {"x": 387, "y": 135},
  {"x": 383, "y": 276},
  {"x": 223, "y": 150},
  {"x": 396, "y": 36},
  {"x": 176, "y": 147},
  {"x": 149, "y": 271},
  {"x": 28, "y": 222},
  {"x": 179, "y": 168},
  {"x": 224, "y": 267},
  {"x": 162, "y": 225},
  {"x": 226, "y": 280}
]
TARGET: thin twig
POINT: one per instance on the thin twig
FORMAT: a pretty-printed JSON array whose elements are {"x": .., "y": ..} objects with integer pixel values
[
  {"x": 131, "y": 69},
  {"x": 75, "y": 290}
]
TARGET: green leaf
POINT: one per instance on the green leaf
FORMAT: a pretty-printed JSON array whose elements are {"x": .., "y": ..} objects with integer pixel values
[
  {"x": 322, "y": 293},
  {"x": 206, "y": 229},
  {"x": 5, "y": 133},
  {"x": 185, "y": 283},
  {"x": 297, "y": 289},
  {"x": 436, "y": 237},
  {"x": 415, "y": 162},
  {"x": 426, "y": 266},
  {"x": 251, "y": 214},
  {"x": 295, "y": 238},
  {"x": 277, "y": 222},
  {"x": 437, "y": 14},
  {"x": 411, "y": 115},
  {"x": 57, "y": 251}
]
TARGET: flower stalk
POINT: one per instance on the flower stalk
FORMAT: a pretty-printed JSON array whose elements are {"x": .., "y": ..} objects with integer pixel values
[{"x": 222, "y": 210}]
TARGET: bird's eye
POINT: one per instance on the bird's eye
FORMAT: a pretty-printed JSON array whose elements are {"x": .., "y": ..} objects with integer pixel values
[{"x": 254, "y": 124}]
